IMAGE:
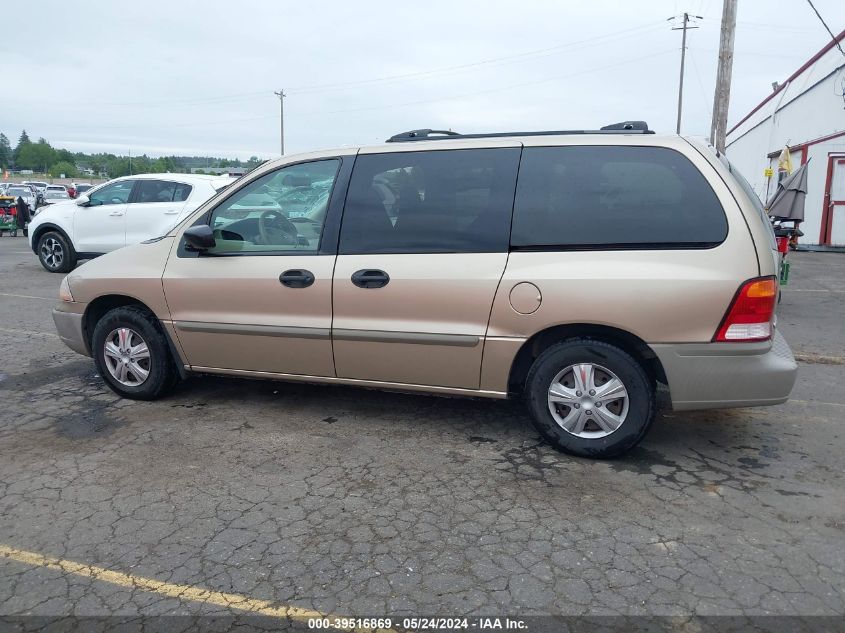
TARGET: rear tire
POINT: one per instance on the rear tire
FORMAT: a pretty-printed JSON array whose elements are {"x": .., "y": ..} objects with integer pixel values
[
  {"x": 590, "y": 398},
  {"x": 132, "y": 354},
  {"x": 56, "y": 253}
]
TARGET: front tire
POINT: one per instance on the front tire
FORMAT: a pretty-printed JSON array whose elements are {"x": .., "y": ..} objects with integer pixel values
[
  {"x": 56, "y": 253},
  {"x": 132, "y": 354},
  {"x": 590, "y": 398}
]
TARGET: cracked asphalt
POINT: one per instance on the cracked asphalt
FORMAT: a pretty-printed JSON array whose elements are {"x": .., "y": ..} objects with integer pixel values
[{"x": 351, "y": 501}]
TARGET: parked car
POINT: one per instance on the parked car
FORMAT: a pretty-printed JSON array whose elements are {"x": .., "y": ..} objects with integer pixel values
[
  {"x": 120, "y": 212},
  {"x": 60, "y": 188},
  {"x": 617, "y": 261},
  {"x": 52, "y": 196},
  {"x": 82, "y": 187},
  {"x": 25, "y": 192},
  {"x": 38, "y": 187}
]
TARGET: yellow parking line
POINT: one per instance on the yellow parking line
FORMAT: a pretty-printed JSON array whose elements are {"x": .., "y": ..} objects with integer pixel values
[
  {"x": 836, "y": 292},
  {"x": 9, "y": 294},
  {"x": 819, "y": 359},
  {"x": 27, "y": 332},
  {"x": 170, "y": 590},
  {"x": 826, "y": 404}
]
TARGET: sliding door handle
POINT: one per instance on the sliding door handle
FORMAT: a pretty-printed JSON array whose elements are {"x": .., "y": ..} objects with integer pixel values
[{"x": 369, "y": 278}]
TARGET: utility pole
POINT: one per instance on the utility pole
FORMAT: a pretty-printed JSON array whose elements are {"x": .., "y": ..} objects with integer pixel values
[
  {"x": 281, "y": 95},
  {"x": 685, "y": 26},
  {"x": 719, "y": 125},
  {"x": 130, "y": 162}
]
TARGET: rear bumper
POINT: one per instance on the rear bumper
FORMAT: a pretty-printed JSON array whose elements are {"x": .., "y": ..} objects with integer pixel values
[
  {"x": 68, "y": 320},
  {"x": 722, "y": 375}
]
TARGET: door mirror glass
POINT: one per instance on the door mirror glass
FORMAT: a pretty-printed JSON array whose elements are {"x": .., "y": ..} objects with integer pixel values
[{"x": 199, "y": 238}]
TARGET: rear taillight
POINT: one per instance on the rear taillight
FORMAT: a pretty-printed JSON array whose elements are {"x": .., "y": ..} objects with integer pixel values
[{"x": 751, "y": 314}]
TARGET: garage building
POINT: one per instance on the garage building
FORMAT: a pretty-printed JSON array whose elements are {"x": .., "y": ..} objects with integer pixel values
[{"x": 805, "y": 114}]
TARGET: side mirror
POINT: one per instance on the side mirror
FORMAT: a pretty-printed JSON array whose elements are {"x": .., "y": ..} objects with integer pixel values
[
  {"x": 82, "y": 200},
  {"x": 199, "y": 238}
]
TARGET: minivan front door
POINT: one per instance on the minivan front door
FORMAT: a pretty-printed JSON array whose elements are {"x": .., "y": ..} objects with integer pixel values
[
  {"x": 423, "y": 246},
  {"x": 260, "y": 299}
]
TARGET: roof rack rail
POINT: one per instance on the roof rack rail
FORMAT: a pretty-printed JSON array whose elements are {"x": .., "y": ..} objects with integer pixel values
[
  {"x": 642, "y": 126},
  {"x": 624, "y": 127},
  {"x": 426, "y": 134}
]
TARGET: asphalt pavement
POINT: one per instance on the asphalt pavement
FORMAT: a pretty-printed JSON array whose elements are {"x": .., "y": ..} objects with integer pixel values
[{"x": 239, "y": 495}]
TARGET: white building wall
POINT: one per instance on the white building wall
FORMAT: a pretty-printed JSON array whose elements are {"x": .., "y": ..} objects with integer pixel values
[{"x": 800, "y": 113}]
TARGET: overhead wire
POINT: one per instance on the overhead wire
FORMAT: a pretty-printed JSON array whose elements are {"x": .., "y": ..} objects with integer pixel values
[
  {"x": 389, "y": 105},
  {"x": 317, "y": 88}
]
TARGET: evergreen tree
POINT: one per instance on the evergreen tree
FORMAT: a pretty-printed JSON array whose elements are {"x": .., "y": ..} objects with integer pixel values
[
  {"x": 5, "y": 151},
  {"x": 23, "y": 141}
]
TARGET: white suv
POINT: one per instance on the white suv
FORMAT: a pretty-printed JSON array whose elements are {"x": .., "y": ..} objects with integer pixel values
[{"x": 124, "y": 211}]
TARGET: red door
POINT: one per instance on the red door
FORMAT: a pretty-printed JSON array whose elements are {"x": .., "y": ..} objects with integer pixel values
[{"x": 833, "y": 214}]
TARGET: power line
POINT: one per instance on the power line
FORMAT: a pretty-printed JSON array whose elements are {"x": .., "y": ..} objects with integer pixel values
[
  {"x": 384, "y": 106},
  {"x": 827, "y": 28},
  {"x": 707, "y": 106},
  {"x": 316, "y": 88},
  {"x": 493, "y": 90},
  {"x": 766, "y": 26},
  {"x": 484, "y": 62}
]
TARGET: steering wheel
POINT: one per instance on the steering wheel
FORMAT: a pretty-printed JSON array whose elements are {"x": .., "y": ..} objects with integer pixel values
[{"x": 274, "y": 228}]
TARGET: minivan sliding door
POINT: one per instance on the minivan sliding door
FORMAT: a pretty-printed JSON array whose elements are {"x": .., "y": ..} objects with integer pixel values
[{"x": 423, "y": 245}]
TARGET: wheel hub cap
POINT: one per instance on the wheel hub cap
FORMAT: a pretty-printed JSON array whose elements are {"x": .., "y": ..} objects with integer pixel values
[
  {"x": 588, "y": 401},
  {"x": 127, "y": 357}
]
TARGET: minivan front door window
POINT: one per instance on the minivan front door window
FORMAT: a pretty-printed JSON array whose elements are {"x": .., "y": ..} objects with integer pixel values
[{"x": 282, "y": 211}]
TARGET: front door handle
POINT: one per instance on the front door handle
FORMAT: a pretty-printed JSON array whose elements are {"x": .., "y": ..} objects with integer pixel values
[
  {"x": 369, "y": 278},
  {"x": 173, "y": 212},
  {"x": 297, "y": 278},
  {"x": 116, "y": 214}
]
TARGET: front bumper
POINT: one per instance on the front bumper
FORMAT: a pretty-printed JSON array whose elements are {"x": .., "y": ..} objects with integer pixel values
[
  {"x": 68, "y": 319},
  {"x": 723, "y": 375}
]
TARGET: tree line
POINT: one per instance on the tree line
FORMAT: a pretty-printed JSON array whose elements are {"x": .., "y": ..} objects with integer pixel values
[{"x": 42, "y": 157}]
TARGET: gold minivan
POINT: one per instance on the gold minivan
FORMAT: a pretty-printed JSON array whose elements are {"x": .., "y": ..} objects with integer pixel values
[{"x": 578, "y": 270}]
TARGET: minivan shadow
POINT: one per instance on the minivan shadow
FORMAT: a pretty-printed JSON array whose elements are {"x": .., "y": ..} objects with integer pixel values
[{"x": 468, "y": 421}]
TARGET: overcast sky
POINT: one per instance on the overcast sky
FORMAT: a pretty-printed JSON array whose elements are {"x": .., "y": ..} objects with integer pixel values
[{"x": 184, "y": 77}]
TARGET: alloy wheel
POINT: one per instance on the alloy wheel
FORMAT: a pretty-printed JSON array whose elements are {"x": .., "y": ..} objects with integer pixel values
[{"x": 52, "y": 252}]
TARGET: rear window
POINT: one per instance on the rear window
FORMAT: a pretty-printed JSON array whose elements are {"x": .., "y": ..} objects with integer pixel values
[{"x": 606, "y": 196}]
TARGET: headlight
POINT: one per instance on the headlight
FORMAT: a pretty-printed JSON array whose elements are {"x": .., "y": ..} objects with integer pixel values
[{"x": 64, "y": 291}]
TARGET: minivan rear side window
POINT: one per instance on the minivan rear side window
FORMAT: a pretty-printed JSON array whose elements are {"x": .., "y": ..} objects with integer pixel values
[
  {"x": 614, "y": 196},
  {"x": 443, "y": 201}
]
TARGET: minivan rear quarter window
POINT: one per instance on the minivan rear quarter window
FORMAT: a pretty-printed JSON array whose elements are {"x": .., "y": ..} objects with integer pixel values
[{"x": 613, "y": 196}]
